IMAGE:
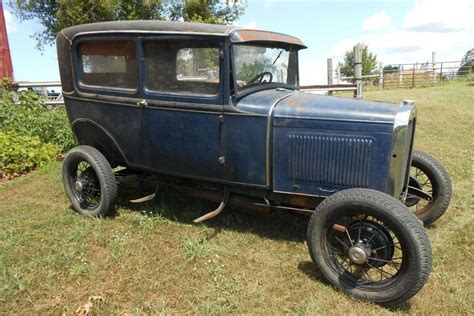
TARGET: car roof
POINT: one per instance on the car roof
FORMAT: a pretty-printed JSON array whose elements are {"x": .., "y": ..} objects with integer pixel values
[{"x": 236, "y": 34}]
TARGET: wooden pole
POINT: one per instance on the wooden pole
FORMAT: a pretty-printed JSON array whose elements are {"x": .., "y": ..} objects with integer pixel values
[
  {"x": 330, "y": 73},
  {"x": 380, "y": 75},
  {"x": 400, "y": 78},
  {"x": 358, "y": 70},
  {"x": 433, "y": 66}
]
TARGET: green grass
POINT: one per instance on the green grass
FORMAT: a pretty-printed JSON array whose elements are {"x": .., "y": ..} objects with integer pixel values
[{"x": 151, "y": 258}]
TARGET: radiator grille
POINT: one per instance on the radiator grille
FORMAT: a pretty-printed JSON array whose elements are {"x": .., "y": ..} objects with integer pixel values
[{"x": 329, "y": 160}]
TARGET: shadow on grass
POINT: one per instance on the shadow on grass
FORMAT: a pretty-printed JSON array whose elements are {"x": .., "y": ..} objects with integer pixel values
[
  {"x": 311, "y": 270},
  {"x": 179, "y": 207}
]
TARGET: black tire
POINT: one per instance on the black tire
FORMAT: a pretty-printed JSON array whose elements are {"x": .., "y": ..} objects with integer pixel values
[
  {"x": 429, "y": 175},
  {"x": 89, "y": 181},
  {"x": 380, "y": 222}
]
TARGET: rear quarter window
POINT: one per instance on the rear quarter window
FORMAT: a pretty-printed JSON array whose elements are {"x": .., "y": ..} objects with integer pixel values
[{"x": 108, "y": 64}]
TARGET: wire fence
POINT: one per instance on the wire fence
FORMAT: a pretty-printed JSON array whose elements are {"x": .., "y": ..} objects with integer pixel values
[
  {"x": 421, "y": 74},
  {"x": 412, "y": 75}
]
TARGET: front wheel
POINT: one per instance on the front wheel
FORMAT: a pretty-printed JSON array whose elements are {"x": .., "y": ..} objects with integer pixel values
[
  {"x": 370, "y": 245},
  {"x": 430, "y": 176},
  {"x": 89, "y": 181}
]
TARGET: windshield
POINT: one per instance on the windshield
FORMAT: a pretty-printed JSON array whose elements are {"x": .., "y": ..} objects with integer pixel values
[{"x": 262, "y": 65}]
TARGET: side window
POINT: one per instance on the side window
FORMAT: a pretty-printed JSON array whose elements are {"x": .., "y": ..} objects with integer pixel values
[
  {"x": 183, "y": 67},
  {"x": 108, "y": 64}
]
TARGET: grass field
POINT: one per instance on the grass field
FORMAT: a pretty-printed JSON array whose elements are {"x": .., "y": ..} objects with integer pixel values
[{"x": 151, "y": 258}]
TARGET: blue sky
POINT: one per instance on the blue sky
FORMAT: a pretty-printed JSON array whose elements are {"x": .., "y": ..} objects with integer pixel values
[{"x": 400, "y": 31}]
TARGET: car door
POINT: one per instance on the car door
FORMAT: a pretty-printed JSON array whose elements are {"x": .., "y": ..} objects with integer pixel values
[{"x": 183, "y": 105}]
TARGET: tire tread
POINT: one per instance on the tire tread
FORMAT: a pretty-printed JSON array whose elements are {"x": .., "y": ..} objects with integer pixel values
[{"x": 396, "y": 209}]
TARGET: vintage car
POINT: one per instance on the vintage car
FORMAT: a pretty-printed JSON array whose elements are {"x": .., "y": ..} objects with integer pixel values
[{"x": 217, "y": 110}]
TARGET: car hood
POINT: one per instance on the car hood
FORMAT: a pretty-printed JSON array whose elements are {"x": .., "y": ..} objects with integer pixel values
[{"x": 299, "y": 104}]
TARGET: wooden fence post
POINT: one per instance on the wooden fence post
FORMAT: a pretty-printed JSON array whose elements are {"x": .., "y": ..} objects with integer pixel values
[
  {"x": 433, "y": 66},
  {"x": 400, "y": 77},
  {"x": 330, "y": 73},
  {"x": 358, "y": 70},
  {"x": 380, "y": 75},
  {"x": 441, "y": 72}
]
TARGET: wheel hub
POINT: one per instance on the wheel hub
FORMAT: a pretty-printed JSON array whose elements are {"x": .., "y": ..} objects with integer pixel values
[
  {"x": 372, "y": 240},
  {"x": 357, "y": 254},
  {"x": 78, "y": 186}
]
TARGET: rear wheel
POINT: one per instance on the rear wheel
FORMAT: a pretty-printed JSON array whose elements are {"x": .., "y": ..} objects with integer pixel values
[
  {"x": 370, "y": 245},
  {"x": 429, "y": 175},
  {"x": 89, "y": 181}
]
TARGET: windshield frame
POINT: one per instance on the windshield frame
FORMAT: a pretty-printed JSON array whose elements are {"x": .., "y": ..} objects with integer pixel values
[{"x": 292, "y": 49}]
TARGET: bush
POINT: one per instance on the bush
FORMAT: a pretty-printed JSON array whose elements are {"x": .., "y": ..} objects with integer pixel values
[
  {"x": 31, "y": 118},
  {"x": 21, "y": 154}
]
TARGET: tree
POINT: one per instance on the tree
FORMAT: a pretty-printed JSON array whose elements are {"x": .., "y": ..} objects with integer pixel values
[
  {"x": 56, "y": 15},
  {"x": 390, "y": 69},
  {"x": 369, "y": 62}
]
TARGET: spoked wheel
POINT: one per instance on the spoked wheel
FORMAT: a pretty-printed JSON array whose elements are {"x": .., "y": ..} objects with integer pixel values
[
  {"x": 86, "y": 185},
  {"x": 370, "y": 245},
  {"x": 365, "y": 248},
  {"x": 89, "y": 181},
  {"x": 428, "y": 175}
]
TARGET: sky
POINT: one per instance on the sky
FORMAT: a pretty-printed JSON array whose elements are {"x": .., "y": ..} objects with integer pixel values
[{"x": 397, "y": 31}]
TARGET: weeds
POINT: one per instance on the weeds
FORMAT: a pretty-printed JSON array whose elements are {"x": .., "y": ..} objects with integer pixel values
[{"x": 194, "y": 248}]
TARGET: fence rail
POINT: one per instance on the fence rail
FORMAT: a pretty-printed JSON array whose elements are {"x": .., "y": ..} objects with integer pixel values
[
  {"x": 412, "y": 75},
  {"x": 330, "y": 87},
  {"x": 52, "y": 100},
  {"x": 421, "y": 74}
]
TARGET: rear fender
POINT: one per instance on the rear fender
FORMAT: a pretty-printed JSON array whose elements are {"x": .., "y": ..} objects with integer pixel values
[{"x": 88, "y": 132}]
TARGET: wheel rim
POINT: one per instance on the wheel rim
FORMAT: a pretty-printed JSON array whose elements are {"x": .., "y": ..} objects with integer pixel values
[
  {"x": 364, "y": 250},
  {"x": 420, "y": 180},
  {"x": 85, "y": 185}
]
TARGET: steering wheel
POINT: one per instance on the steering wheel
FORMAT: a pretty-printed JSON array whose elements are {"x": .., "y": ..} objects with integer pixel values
[{"x": 260, "y": 77}]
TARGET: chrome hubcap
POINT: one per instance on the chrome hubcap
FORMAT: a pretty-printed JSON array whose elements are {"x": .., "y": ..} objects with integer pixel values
[
  {"x": 357, "y": 255},
  {"x": 78, "y": 186}
]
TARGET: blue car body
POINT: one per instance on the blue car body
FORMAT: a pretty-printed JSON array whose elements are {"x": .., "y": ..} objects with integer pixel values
[{"x": 277, "y": 140}]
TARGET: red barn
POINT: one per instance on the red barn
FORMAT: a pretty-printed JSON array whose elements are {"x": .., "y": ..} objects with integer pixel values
[{"x": 6, "y": 68}]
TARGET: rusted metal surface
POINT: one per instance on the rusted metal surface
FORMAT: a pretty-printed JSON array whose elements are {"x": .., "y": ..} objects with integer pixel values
[
  {"x": 218, "y": 210},
  {"x": 339, "y": 228},
  {"x": 146, "y": 198},
  {"x": 239, "y": 35}
]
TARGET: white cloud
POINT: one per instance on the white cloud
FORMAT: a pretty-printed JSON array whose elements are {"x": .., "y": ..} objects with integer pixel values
[
  {"x": 440, "y": 16},
  {"x": 447, "y": 29},
  {"x": 377, "y": 22},
  {"x": 9, "y": 21}
]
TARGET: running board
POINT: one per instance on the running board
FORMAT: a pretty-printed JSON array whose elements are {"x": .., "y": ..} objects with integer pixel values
[{"x": 218, "y": 210}]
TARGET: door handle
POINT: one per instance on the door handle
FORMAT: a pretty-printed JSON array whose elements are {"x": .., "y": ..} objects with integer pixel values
[{"x": 142, "y": 103}]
